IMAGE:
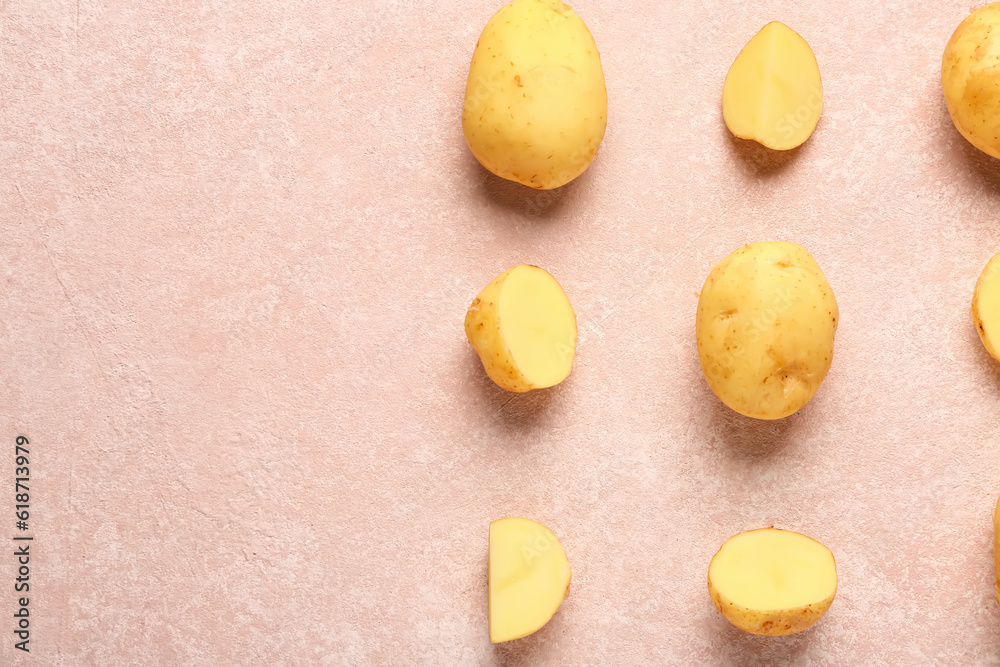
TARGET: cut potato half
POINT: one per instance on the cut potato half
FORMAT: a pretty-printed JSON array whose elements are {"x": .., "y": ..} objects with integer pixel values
[
  {"x": 773, "y": 93},
  {"x": 772, "y": 582},
  {"x": 528, "y": 577},
  {"x": 524, "y": 329}
]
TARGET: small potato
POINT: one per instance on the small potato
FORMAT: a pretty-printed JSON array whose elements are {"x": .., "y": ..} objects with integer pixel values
[
  {"x": 772, "y": 582},
  {"x": 528, "y": 575},
  {"x": 765, "y": 327},
  {"x": 524, "y": 329},
  {"x": 536, "y": 105},
  {"x": 986, "y": 306},
  {"x": 970, "y": 74},
  {"x": 773, "y": 93}
]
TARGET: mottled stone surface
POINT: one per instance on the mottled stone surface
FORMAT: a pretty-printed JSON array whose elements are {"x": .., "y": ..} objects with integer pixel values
[{"x": 237, "y": 242}]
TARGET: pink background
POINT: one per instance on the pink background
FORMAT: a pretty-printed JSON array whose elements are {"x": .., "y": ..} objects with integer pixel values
[{"x": 238, "y": 242}]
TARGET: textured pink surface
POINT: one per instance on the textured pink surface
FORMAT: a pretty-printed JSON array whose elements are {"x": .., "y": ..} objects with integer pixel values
[{"x": 238, "y": 242}]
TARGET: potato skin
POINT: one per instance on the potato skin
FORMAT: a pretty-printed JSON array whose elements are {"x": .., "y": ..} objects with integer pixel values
[
  {"x": 765, "y": 327},
  {"x": 770, "y": 624},
  {"x": 482, "y": 328},
  {"x": 989, "y": 274},
  {"x": 536, "y": 104},
  {"x": 970, "y": 75}
]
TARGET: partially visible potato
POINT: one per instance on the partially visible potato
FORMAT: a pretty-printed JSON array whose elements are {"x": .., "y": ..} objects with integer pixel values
[
  {"x": 536, "y": 106},
  {"x": 970, "y": 73},
  {"x": 986, "y": 306},
  {"x": 765, "y": 327},
  {"x": 996, "y": 550}
]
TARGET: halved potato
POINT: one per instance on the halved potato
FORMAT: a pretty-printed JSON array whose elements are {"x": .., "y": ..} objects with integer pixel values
[
  {"x": 773, "y": 93},
  {"x": 524, "y": 329},
  {"x": 529, "y": 577},
  {"x": 772, "y": 582}
]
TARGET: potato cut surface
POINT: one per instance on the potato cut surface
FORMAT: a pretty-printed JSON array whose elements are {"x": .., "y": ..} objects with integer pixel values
[
  {"x": 538, "y": 325},
  {"x": 773, "y": 569},
  {"x": 773, "y": 93},
  {"x": 529, "y": 577}
]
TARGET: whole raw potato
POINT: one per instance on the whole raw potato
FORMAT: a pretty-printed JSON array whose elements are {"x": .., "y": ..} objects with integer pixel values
[
  {"x": 970, "y": 73},
  {"x": 765, "y": 327},
  {"x": 536, "y": 106}
]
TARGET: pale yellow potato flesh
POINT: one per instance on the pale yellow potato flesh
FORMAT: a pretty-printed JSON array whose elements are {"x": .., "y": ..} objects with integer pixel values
[
  {"x": 970, "y": 75},
  {"x": 773, "y": 93},
  {"x": 524, "y": 329},
  {"x": 772, "y": 582},
  {"x": 536, "y": 105},
  {"x": 986, "y": 306},
  {"x": 765, "y": 328},
  {"x": 529, "y": 577}
]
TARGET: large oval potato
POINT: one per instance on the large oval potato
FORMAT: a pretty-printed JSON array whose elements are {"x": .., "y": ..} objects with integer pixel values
[
  {"x": 536, "y": 106},
  {"x": 765, "y": 327},
  {"x": 970, "y": 74}
]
